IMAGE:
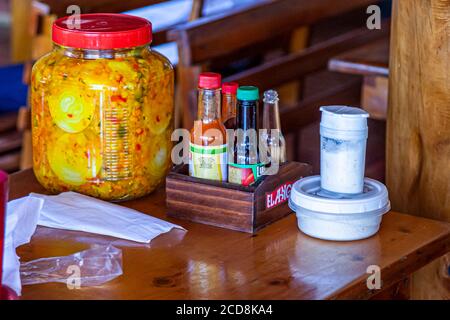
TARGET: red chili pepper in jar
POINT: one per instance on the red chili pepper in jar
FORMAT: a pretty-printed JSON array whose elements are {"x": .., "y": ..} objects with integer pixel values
[{"x": 118, "y": 98}]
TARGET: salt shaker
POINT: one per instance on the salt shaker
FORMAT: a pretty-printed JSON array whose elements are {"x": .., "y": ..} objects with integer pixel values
[{"x": 343, "y": 139}]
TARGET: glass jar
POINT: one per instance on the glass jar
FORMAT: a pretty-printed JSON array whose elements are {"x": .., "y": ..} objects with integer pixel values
[{"x": 102, "y": 109}]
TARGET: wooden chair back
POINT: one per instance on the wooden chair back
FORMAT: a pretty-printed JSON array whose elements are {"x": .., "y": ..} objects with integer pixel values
[
  {"x": 306, "y": 111},
  {"x": 241, "y": 33},
  {"x": 30, "y": 39},
  {"x": 59, "y": 8},
  {"x": 10, "y": 142},
  {"x": 291, "y": 67},
  {"x": 311, "y": 59}
]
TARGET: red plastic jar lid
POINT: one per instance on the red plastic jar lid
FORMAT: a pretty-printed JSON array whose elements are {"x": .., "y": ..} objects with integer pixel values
[
  {"x": 209, "y": 80},
  {"x": 230, "y": 87},
  {"x": 99, "y": 31}
]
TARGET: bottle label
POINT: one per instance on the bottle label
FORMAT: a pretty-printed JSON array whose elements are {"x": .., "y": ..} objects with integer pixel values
[
  {"x": 208, "y": 162},
  {"x": 245, "y": 174}
]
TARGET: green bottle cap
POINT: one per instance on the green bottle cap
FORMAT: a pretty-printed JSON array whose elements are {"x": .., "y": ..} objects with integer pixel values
[{"x": 248, "y": 93}]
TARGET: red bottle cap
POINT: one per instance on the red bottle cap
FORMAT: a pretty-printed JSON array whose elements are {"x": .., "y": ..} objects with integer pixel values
[
  {"x": 230, "y": 87},
  {"x": 209, "y": 80},
  {"x": 99, "y": 31}
]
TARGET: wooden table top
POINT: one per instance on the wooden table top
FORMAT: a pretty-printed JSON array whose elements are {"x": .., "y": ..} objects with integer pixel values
[
  {"x": 370, "y": 59},
  {"x": 212, "y": 263}
]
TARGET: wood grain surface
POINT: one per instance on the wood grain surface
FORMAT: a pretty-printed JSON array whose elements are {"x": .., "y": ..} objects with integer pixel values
[
  {"x": 59, "y": 7},
  {"x": 261, "y": 29},
  {"x": 370, "y": 59},
  {"x": 213, "y": 263},
  {"x": 418, "y": 127},
  {"x": 228, "y": 205}
]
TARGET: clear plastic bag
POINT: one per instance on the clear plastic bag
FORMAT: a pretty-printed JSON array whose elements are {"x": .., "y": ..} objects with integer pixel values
[{"x": 92, "y": 267}]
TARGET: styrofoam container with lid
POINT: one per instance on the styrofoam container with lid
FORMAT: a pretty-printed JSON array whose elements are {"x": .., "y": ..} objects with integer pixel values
[
  {"x": 343, "y": 136},
  {"x": 339, "y": 217}
]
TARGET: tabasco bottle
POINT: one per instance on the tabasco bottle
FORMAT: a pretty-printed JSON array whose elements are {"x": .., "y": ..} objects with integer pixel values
[
  {"x": 245, "y": 167},
  {"x": 229, "y": 90},
  {"x": 272, "y": 136},
  {"x": 208, "y": 156}
]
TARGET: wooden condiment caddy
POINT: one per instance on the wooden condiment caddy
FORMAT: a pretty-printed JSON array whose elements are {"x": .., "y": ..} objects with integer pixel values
[{"x": 231, "y": 206}]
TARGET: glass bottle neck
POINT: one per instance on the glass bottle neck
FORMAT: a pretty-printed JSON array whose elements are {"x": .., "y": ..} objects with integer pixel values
[
  {"x": 228, "y": 106},
  {"x": 247, "y": 115},
  {"x": 208, "y": 105},
  {"x": 271, "y": 115},
  {"x": 101, "y": 54}
]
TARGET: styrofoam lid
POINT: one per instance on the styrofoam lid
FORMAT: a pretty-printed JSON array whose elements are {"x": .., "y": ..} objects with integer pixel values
[
  {"x": 344, "y": 118},
  {"x": 307, "y": 194}
]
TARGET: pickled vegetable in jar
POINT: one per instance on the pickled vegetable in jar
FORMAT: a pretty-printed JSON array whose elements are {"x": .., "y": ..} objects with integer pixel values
[{"x": 102, "y": 109}]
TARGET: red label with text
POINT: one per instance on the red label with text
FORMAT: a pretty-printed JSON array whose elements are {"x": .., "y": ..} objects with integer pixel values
[{"x": 279, "y": 195}]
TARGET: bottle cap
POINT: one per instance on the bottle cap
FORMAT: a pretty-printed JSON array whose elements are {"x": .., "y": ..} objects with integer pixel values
[
  {"x": 230, "y": 87},
  {"x": 248, "y": 93},
  {"x": 209, "y": 80},
  {"x": 271, "y": 96},
  {"x": 343, "y": 122},
  {"x": 102, "y": 31}
]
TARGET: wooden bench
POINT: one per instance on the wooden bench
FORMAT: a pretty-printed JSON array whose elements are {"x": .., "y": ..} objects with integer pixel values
[
  {"x": 59, "y": 7},
  {"x": 371, "y": 61},
  {"x": 294, "y": 66},
  {"x": 244, "y": 34},
  {"x": 10, "y": 143},
  {"x": 314, "y": 58}
]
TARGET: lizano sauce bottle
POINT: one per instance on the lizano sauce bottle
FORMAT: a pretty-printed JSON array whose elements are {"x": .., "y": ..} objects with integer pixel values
[
  {"x": 245, "y": 167},
  {"x": 208, "y": 157}
]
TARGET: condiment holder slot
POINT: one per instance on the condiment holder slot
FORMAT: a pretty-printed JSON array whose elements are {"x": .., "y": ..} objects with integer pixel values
[{"x": 232, "y": 206}]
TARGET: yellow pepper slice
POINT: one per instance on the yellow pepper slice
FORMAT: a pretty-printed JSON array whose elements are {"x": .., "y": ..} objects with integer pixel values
[
  {"x": 75, "y": 158},
  {"x": 70, "y": 110},
  {"x": 159, "y": 156}
]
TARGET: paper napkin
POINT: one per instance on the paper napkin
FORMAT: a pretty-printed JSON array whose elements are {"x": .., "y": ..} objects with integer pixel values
[{"x": 72, "y": 211}]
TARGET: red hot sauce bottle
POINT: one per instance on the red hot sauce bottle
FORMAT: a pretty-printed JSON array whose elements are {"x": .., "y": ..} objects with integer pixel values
[
  {"x": 208, "y": 154},
  {"x": 229, "y": 100}
]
